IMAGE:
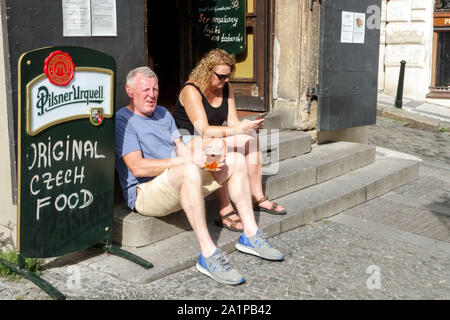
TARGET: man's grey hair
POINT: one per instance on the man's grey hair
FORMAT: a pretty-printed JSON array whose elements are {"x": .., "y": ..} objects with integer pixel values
[{"x": 146, "y": 71}]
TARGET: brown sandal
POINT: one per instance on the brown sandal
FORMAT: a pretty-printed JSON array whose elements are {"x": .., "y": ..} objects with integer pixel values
[
  {"x": 271, "y": 210},
  {"x": 233, "y": 223}
]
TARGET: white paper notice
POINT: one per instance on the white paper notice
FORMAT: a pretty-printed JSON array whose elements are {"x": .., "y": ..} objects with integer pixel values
[
  {"x": 359, "y": 27},
  {"x": 347, "y": 27},
  {"x": 76, "y": 18},
  {"x": 104, "y": 20}
]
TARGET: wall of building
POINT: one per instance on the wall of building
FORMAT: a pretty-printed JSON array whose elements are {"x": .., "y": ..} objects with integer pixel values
[
  {"x": 8, "y": 211},
  {"x": 287, "y": 61},
  {"x": 296, "y": 59},
  {"x": 407, "y": 34},
  {"x": 296, "y": 50},
  {"x": 28, "y": 25}
]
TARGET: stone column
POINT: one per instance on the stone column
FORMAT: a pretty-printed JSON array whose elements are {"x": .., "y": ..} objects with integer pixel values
[
  {"x": 296, "y": 50},
  {"x": 381, "y": 74}
]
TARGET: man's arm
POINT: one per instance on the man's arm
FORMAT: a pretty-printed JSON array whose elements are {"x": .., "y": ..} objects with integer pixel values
[
  {"x": 180, "y": 148},
  {"x": 191, "y": 152},
  {"x": 141, "y": 167}
]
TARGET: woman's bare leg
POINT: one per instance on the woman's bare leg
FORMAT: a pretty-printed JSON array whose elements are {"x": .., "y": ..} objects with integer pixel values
[{"x": 248, "y": 145}]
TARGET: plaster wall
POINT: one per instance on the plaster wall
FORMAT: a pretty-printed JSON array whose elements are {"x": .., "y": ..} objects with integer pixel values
[
  {"x": 296, "y": 50},
  {"x": 8, "y": 211},
  {"x": 407, "y": 34}
]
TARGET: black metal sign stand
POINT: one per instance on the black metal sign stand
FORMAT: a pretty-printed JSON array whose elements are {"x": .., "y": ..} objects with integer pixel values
[
  {"x": 110, "y": 249},
  {"x": 41, "y": 283},
  {"x": 53, "y": 292}
]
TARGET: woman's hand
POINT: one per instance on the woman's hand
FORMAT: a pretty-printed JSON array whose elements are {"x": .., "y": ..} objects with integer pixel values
[{"x": 246, "y": 125}]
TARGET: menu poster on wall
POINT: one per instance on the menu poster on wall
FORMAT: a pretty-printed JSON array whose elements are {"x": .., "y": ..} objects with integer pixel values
[
  {"x": 359, "y": 27},
  {"x": 104, "y": 20},
  {"x": 85, "y": 18},
  {"x": 76, "y": 18},
  {"x": 353, "y": 27}
]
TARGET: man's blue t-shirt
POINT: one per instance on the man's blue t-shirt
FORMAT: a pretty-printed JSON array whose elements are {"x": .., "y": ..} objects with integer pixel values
[{"x": 153, "y": 135}]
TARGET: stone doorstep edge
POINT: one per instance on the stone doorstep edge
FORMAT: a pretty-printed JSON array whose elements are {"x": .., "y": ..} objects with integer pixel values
[{"x": 413, "y": 119}]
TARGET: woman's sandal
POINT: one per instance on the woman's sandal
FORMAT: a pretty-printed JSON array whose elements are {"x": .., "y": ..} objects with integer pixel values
[
  {"x": 271, "y": 210},
  {"x": 233, "y": 223}
]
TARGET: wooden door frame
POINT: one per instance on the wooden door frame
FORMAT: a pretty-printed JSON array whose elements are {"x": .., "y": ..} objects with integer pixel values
[
  {"x": 263, "y": 23},
  {"x": 270, "y": 36},
  {"x": 436, "y": 92}
]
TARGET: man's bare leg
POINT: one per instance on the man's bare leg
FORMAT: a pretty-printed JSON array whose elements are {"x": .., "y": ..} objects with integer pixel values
[
  {"x": 239, "y": 190},
  {"x": 186, "y": 181}
]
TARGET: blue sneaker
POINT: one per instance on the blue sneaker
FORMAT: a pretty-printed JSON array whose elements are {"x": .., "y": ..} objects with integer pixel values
[
  {"x": 257, "y": 245},
  {"x": 219, "y": 268}
]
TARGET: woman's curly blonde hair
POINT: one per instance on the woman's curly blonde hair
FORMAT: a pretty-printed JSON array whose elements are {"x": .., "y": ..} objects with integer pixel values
[{"x": 205, "y": 67}]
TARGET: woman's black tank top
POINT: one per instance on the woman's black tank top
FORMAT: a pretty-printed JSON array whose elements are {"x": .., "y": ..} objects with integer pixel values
[{"x": 216, "y": 116}]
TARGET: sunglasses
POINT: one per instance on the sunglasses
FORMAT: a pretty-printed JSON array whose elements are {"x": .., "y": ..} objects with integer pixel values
[{"x": 222, "y": 77}]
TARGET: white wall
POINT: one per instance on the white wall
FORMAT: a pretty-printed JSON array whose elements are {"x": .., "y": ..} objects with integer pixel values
[{"x": 407, "y": 34}]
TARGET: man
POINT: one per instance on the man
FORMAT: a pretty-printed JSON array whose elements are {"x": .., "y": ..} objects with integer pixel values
[{"x": 160, "y": 175}]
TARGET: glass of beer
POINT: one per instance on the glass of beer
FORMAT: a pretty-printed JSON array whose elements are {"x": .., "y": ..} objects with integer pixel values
[{"x": 213, "y": 153}]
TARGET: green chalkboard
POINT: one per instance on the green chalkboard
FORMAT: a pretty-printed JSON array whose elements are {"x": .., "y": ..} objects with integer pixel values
[
  {"x": 220, "y": 24},
  {"x": 65, "y": 150}
]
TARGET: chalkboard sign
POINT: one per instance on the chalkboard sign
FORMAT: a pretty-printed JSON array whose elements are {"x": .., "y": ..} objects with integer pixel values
[
  {"x": 65, "y": 150},
  {"x": 221, "y": 24}
]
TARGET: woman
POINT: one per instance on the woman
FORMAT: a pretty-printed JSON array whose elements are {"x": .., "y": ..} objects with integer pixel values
[{"x": 205, "y": 102}]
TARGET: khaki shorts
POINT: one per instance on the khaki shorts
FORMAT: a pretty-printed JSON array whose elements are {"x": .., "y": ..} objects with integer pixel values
[{"x": 157, "y": 197}]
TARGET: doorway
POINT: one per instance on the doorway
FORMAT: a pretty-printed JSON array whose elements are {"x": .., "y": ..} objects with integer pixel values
[
  {"x": 163, "y": 36},
  {"x": 173, "y": 51}
]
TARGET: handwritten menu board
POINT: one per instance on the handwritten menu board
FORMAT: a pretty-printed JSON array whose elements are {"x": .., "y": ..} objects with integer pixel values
[
  {"x": 221, "y": 24},
  {"x": 66, "y": 150}
]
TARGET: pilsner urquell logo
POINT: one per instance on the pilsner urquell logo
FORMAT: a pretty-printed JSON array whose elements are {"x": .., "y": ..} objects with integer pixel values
[{"x": 47, "y": 101}]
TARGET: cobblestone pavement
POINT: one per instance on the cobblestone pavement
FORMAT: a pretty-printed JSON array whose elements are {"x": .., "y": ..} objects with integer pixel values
[
  {"x": 429, "y": 146},
  {"x": 325, "y": 260},
  {"x": 329, "y": 259}
]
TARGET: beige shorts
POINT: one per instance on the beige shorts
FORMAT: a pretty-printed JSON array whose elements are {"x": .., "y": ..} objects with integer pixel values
[{"x": 157, "y": 197}]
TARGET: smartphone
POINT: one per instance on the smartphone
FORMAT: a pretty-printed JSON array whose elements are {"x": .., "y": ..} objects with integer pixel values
[{"x": 262, "y": 115}]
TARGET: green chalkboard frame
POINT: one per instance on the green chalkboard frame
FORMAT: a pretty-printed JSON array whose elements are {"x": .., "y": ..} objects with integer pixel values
[{"x": 54, "y": 217}]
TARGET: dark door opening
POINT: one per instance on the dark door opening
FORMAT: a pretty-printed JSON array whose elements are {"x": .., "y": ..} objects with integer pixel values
[
  {"x": 163, "y": 35},
  {"x": 174, "y": 51},
  {"x": 443, "y": 60}
]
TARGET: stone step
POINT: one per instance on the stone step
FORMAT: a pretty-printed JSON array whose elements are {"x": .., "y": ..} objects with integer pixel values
[
  {"x": 325, "y": 162},
  {"x": 277, "y": 145},
  {"x": 304, "y": 206}
]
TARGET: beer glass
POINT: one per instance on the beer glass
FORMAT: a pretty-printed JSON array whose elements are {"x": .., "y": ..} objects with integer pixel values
[{"x": 213, "y": 153}]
